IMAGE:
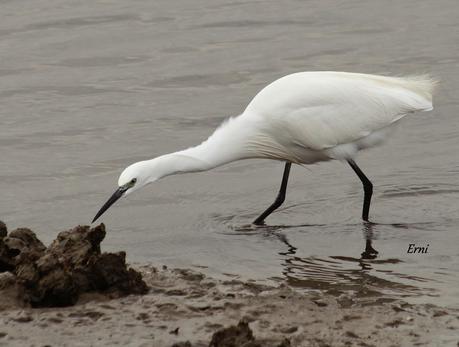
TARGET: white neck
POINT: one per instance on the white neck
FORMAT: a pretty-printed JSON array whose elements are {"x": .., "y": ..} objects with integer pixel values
[{"x": 228, "y": 143}]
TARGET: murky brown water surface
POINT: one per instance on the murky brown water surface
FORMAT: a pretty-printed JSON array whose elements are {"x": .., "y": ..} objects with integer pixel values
[{"x": 88, "y": 88}]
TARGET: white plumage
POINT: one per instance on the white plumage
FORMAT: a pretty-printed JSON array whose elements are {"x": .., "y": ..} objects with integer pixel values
[
  {"x": 301, "y": 118},
  {"x": 312, "y": 116}
]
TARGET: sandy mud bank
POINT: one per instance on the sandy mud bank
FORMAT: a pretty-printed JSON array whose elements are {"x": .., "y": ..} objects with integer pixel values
[{"x": 182, "y": 307}]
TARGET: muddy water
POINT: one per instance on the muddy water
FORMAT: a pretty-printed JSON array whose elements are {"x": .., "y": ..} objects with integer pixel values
[{"x": 86, "y": 89}]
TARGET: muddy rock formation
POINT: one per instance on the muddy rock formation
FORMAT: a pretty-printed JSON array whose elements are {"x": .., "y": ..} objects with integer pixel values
[
  {"x": 73, "y": 264},
  {"x": 18, "y": 247},
  {"x": 240, "y": 336},
  {"x": 3, "y": 230}
]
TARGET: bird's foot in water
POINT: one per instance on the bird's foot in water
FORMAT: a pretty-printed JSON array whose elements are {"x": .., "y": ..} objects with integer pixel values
[
  {"x": 369, "y": 223},
  {"x": 258, "y": 223},
  {"x": 369, "y": 253}
]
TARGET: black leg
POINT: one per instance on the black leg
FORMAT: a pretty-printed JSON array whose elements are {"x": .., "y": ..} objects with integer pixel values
[
  {"x": 279, "y": 199},
  {"x": 367, "y": 188}
]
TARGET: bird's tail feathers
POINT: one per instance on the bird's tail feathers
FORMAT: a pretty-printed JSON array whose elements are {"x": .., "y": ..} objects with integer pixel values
[{"x": 423, "y": 85}]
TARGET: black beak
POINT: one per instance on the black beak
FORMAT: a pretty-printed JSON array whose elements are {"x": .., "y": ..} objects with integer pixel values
[{"x": 118, "y": 194}]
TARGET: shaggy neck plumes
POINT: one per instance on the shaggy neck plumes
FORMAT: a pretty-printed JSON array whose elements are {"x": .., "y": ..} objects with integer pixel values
[{"x": 228, "y": 143}]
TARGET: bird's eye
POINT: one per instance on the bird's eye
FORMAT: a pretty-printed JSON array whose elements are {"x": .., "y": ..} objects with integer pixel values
[{"x": 133, "y": 180}]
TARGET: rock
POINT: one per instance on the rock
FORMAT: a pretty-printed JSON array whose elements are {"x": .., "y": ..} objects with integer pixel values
[
  {"x": 20, "y": 246},
  {"x": 73, "y": 264},
  {"x": 109, "y": 274},
  {"x": 24, "y": 240},
  {"x": 182, "y": 344},
  {"x": 240, "y": 336},
  {"x": 234, "y": 336},
  {"x": 7, "y": 280},
  {"x": 3, "y": 230}
]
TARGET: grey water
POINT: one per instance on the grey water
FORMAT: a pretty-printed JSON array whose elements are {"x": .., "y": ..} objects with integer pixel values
[{"x": 87, "y": 88}]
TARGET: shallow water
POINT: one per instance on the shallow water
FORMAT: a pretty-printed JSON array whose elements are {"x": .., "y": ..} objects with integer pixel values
[{"x": 88, "y": 89}]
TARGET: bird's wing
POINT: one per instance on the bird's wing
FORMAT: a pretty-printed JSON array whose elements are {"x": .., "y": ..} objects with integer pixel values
[{"x": 324, "y": 110}]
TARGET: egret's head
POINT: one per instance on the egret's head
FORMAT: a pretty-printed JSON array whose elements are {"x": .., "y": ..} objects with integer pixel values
[{"x": 132, "y": 178}]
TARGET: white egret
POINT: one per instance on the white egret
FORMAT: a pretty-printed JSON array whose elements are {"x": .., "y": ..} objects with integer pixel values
[{"x": 302, "y": 118}]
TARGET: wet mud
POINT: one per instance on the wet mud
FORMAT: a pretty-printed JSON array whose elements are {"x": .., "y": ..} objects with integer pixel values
[{"x": 88, "y": 292}]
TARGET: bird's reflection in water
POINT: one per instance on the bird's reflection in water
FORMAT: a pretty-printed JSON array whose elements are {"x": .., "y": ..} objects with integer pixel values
[
  {"x": 368, "y": 253},
  {"x": 367, "y": 274},
  {"x": 338, "y": 274}
]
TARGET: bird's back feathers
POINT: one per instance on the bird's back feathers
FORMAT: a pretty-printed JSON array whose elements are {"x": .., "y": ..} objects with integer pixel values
[{"x": 333, "y": 112}]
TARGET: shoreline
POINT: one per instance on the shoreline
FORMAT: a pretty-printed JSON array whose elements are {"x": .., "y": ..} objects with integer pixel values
[{"x": 183, "y": 305}]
